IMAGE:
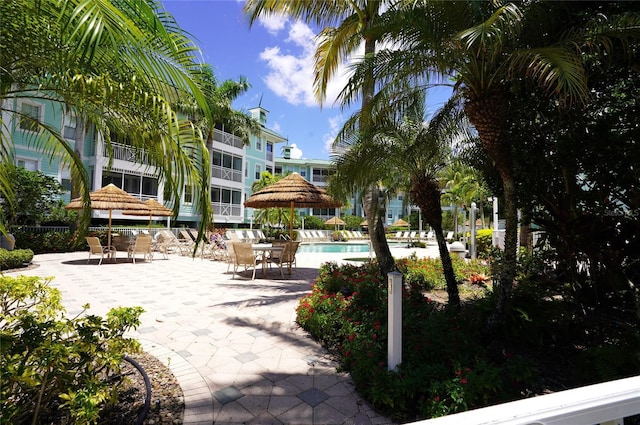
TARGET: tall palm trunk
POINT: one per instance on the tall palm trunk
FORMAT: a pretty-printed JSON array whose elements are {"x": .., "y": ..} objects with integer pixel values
[
  {"x": 488, "y": 115},
  {"x": 377, "y": 234},
  {"x": 370, "y": 201},
  {"x": 425, "y": 192}
]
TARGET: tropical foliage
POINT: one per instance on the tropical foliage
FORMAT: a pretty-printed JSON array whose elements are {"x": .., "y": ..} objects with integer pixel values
[
  {"x": 119, "y": 67},
  {"x": 54, "y": 366}
]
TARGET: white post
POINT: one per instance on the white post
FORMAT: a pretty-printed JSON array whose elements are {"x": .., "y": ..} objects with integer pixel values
[
  {"x": 394, "y": 314},
  {"x": 472, "y": 226},
  {"x": 494, "y": 234}
]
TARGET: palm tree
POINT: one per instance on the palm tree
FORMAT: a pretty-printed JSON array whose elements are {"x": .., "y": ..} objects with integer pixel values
[
  {"x": 414, "y": 151},
  {"x": 266, "y": 216},
  {"x": 116, "y": 66},
  {"x": 346, "y": 25},
  {"x": 485, "y": 47}
]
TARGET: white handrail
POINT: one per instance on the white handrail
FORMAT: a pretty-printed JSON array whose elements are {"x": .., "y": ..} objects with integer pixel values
[{"x": 606, "y": 403}]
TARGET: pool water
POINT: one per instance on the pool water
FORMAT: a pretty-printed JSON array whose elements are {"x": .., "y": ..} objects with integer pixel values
[{"x": 334, "y": 247}]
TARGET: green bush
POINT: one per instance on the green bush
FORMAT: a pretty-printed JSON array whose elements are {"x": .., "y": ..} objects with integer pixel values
[
  {"x": 483, "y": 242},
  {"x": 46, "y": 242},
  {"x": 445, "y": 366},
  {"x": 15, "y": 259},
  {"x": 53, "y": 366},
  {"x": 427, "y": 272}
]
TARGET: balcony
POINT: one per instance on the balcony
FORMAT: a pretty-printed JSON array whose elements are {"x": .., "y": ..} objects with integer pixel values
[
  {"x": 227, "y": 210},
  {"x": 227, "y": 139},
  {"x": 128, "y": 153},
  {"x": 226, "y": 174}
]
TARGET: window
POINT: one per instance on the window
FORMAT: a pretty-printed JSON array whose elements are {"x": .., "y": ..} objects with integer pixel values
[
  {"x": 221, "y": 195},
  {"x": 246, "y": 169},
  {"x": 28, "y": 164},
  {"x": 269, "y": 170},
  {"x": 149, "y": 186},
  {"x": 112, "y": 178},
  {"x": 31, "y": 110},
  {"x": 303, "y": 173},
  {"x": 132, "y": 183},
  {"x": 65, "y": 179},
  {"x": 69, "y": 127},
  {"x": 278, "y": 170},
  {"x": 259, "y": 143},
  {"x": 188, "y": 194},
  {"x": 258, "y": 171},
  {"x": 400, "y": 197}
]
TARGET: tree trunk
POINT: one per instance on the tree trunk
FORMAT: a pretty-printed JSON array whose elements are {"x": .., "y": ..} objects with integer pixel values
[
  {"x": 370, "y": 198},
  {"x": 425, "y": 192},
  {"x": 488, "y": 116},
  {"x": 377, "y": 234}
]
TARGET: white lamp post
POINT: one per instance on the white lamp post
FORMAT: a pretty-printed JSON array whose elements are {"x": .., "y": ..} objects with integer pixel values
[{"x": 494, "y": 234}]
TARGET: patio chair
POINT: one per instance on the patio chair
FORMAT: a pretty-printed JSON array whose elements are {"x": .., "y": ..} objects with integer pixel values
[
  {"x": 286, "y": 257},
  {"x": 244, "y": 256},
  {"x": 168, "y": 242},
  {"x": 141, "y": 246},
  {"x": 96, "y": 248}
]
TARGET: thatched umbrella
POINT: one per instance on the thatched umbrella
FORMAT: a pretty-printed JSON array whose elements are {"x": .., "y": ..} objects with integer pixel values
[
  {"x": 335, "y": 221},
  {"x": 292, "y": 191},
  {"x": 400, "y": 223},
  {"x": 155, "y": 209},
  {"x": 110, "y": 197}
]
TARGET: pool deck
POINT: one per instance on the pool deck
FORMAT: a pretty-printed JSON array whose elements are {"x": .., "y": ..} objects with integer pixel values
[{"x": 233, "y": 344}]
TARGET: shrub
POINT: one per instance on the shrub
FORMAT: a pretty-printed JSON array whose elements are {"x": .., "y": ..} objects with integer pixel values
[
  {"x": 53, "y": 366},
  {"x": 427, "y": 272},
  {"x": 46, "y": 242},
  {"x": 445, "y": 367},
  {"x": 15, "y": 259},
  {"x": 484, "y": 240}
]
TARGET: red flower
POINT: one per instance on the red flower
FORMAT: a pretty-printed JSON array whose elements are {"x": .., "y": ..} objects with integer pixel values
[
  {"x": 463, "y": 381},
  {"x": 436, "y": 399},
  {"x": 352, "y": 337}
]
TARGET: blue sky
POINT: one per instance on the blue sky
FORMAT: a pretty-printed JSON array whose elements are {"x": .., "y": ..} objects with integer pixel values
[{"x": 276, "y": 57}]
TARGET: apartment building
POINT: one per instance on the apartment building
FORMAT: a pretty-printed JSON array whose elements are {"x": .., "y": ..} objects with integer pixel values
[{"x": 234, "y": 166}]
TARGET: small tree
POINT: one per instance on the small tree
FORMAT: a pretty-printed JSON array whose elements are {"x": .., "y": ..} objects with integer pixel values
[{"x": 36, "y": 196}]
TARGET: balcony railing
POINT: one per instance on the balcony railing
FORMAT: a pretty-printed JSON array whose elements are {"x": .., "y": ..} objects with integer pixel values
[
  {"x": 270, "y": 156},
  {"x": 226, "y": 173},
  {"x": 227, "y": 139},
  {"x": 607, "y": 403},
  {"x": 128, "y": 153},
  {"x": 227, "y": 210}
]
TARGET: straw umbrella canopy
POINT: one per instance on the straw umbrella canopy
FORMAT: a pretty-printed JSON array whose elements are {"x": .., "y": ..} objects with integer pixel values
[
  {"x": 364, "y": 224},
  {"x": 155, "y": 208},
  {"x": 110, "y": 197},
  {"x": 400, "y": 223},
  {"x": 292, "y": 191},
  {"x": 335, "y": 221}
]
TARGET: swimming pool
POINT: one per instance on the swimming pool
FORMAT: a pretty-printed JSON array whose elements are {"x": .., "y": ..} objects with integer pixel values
[{"x": 334, "y": 247}]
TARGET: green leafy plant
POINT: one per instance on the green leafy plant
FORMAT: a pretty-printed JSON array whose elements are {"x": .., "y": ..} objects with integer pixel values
[
  {"x": 445, "y": 366},
  {"x": 15, "y": 259},
  {"x": 54, "y": 366}
]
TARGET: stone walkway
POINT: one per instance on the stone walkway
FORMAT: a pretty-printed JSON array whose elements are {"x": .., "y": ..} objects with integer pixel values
[{"x": 233, "y": 344}]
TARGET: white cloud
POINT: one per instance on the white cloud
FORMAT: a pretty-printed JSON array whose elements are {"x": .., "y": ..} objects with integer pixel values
[
  {"x": 296, "y": 153},
  {"x": 335, "y": 124},
  {"x": 273, "y": 24},
  {"x": 290, "y": 65}
]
